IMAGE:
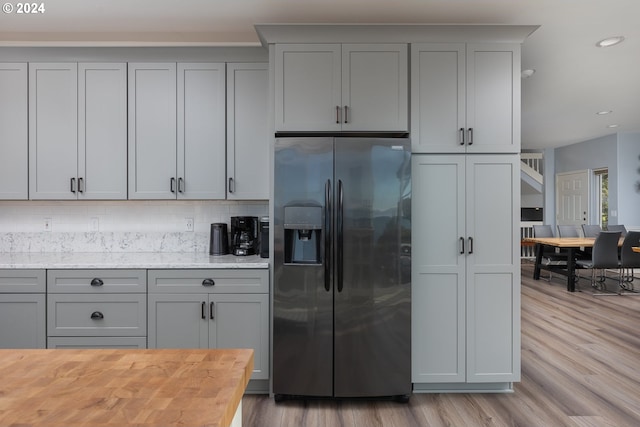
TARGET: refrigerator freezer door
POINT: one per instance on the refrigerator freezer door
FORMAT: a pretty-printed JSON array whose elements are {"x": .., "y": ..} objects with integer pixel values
[
  {"x": 373, "y": 268},
  {"x": 302, "y": 298}
]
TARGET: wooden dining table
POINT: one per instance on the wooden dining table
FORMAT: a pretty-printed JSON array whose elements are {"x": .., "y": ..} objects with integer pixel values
[
  {"x": 123, "y": 387},
  {"x": 570, "y": 245}
]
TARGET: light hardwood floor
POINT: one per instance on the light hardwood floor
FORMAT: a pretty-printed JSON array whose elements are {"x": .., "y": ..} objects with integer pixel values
[{"x": 580, "y": 368}]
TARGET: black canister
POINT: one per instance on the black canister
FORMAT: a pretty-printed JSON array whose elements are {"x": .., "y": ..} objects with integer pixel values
[
  {"x": 264, "y": 237},
  {"x": 219, "y": 239}
]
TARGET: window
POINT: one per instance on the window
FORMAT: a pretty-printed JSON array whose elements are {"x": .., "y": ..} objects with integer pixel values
[{"x": 601, "y": 181}]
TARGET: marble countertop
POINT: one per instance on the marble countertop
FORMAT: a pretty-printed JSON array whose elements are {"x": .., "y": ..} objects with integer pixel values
[{"x": 142, "y": 260}]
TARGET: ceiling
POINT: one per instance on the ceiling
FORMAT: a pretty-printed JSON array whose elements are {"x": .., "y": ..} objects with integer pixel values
[{"x": 573, "y": 81}]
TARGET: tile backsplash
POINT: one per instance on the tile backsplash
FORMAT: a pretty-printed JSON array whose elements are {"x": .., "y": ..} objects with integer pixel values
[{"x": 115, "y": 226}]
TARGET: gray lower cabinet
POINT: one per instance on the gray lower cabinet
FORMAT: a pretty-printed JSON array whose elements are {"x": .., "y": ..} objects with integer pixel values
[
  {"x": 22, "y": 309},
  {"x": 211, "y": 309},
  {"x": 96, "y": 308}
]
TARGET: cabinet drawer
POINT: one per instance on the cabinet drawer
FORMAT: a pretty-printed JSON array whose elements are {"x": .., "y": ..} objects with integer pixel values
[
  {"x": 251, "y": 281},
  {"x": 91, "y": 315},
  {"x": 96, "y": 281},
  {"x": 97, "y": 342},
  {"x": 22, "y": 281}
]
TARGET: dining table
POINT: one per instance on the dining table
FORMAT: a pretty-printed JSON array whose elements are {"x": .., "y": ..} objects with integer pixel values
[
  {"x": 570, "y": 247},
  {"x": 123, "y": 387}
]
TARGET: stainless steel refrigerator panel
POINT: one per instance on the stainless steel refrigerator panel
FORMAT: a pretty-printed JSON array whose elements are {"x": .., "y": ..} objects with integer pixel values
[
  {"x": 303, "y": 292},
  {"x": 372, "y": 278}
]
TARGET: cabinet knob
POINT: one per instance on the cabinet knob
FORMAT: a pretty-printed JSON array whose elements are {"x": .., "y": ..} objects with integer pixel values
[
  {"x": 97, "y": 282},
  {"x": 208, "y": 282},
  {"x": 96, "y": 315}
]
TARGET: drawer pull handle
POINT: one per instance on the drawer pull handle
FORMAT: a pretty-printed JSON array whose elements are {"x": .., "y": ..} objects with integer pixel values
[
  {"x": 203, "y": 309},
  {"x": 211, "y": 311},
  {"x": 208, "y": 282},
  {"x": 97, "y": 282},
  {"x": 97, "y": 315}
]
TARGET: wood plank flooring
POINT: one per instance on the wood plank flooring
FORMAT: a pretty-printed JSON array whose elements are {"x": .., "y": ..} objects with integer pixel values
[{"x": 580, "y": 368}]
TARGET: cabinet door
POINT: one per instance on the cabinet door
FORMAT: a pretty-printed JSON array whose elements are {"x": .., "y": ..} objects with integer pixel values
[
  {"x": 152, "y": 131},
  {"x": 22, "y": 321},
  {"x": 14, "y": 145},
  {"x": 53, "y": 130},
  {"x": 102, "y": 131},
  {"x": 438, "y": 97},
  {"x": 493, "y": 269},
  {"x": 439, "y": 251},
  {"x": 247, "y": 131},
  {"x": 201, "y": 131},
  {"x": 308, "y": 87},
  {"x": 374, "y": 87},
  {"x": 493, "y": 98},
  {"x": 242, "y": 321},
  {"x": 178, "y": 321}
]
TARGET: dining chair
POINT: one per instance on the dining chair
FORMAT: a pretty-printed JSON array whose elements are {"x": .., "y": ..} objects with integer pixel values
[
  {"x": 628, "y": 261},
  {"x": 568, "y": 231},
  {"x": 603, "y": 256},
  {"x": 619, "y": 227},
  {"x": 592, "y": 230},
  {"x": 549, "y": 256}
]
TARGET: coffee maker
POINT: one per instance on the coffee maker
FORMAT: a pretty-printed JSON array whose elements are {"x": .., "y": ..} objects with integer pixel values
[{"x": 244, "y": 235}]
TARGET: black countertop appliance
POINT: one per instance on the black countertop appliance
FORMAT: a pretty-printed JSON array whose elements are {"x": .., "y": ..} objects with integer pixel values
[{"x": 244, "y": 235}]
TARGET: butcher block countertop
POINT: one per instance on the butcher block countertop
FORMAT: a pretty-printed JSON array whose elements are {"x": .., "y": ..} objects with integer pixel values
[{"x": 118, "y": 387}]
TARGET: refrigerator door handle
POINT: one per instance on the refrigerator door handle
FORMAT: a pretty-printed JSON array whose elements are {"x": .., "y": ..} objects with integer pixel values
[
  {"x": 340, "y": 225},
  {"x": 327, "y": 236}
]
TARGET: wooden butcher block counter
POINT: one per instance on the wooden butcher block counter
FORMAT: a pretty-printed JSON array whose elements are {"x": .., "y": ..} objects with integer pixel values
[{"x": 122, "y": 387}]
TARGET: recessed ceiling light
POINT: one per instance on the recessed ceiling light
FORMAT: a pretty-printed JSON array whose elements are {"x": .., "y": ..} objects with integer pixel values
[
  {"x": 610, "y": 41},
  {"x": 527, "y": 73},
  {"x": 603, "y": 112},
  {"x": 612, "y": 126}
]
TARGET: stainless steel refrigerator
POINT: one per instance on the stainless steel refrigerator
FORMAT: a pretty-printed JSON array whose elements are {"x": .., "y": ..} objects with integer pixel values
[{"x": 342, "y": 267}]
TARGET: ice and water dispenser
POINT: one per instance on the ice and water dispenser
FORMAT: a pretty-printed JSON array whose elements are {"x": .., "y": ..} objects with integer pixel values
[{"x": 302, "y": 234}]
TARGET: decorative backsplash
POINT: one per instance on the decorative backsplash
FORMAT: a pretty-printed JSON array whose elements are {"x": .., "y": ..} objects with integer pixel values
[{"x": 115, "y": 226}]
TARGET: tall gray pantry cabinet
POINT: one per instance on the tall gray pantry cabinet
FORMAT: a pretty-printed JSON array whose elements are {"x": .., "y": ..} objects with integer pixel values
[{"x": 465, "y": 211}]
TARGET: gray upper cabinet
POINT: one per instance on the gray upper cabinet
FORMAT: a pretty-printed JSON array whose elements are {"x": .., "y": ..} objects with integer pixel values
[
  {"x": 152, "y": 131},
  {"x": 177, "y": 131},
  {"x": 14, "y": 124},
  {"x": 53, "y": 130},
  {"x": 334, "y": 87},
  {"x": 466, "y": 98},
  {"x": 102, "y": 131},
  {"x": 77, "y": 131},
  {"x": 247, "y": 131},
  {"x": 201, "y": 131}
]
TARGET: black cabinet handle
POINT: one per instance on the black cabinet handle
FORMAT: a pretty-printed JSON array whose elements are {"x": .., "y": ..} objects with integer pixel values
[
  {"x": 461, "y": 136},
  {"x": 96, "y": 315},
  {"x": 172, "y": 185},
  {"x": 181, "y": 185},
  {"x": 208, "y": 282},
  {"x": 203, "y": 309},
  {"x": 470, "y": 136},
  {"x": 346, "y": 114},
  {"x": 211, "y": 311},
  {"x": 231, "y": 185},
  {"x": 80, "y": 185},
  {"x": 337, "y": 114},
  {"x": 461, "y": 245},
  {"x": 73, "y": 185},
  {"x": 97, "y": 282},
  {"x": 470, "y": 245}
]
